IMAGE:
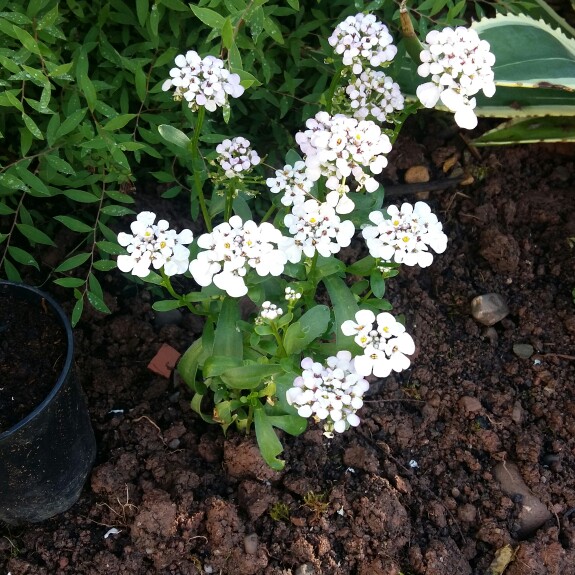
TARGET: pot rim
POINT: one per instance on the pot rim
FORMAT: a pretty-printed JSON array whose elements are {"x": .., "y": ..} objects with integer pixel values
[{"x": 65, "y": 322}]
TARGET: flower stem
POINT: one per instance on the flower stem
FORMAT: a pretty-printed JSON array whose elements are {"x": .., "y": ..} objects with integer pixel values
[
  {"x": 268, "y": 214},
  {"x": 229, "y": 202},
  {"x": 278, "y": 338},
  {"x": 196, "y": 167}
]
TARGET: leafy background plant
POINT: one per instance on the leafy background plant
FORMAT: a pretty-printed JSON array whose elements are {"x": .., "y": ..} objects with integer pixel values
[{"x": 82, "y": 101}]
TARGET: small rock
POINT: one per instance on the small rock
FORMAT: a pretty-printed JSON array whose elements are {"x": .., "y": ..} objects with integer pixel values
[
  {"x": 489, "y": 308},
  {"x": 305, "y": 569},
  {"x": 490, "y": 333},
  {"x": 467, "y": 513},
  {"x": 469, "y": 404},
  {"x": 533, "y": 512},
  {"x": 523, "y": 350},
  {"x": 517, "y": 413},
  {"x": 417, "y": 175},
  {"x": 251, "y": 544}
]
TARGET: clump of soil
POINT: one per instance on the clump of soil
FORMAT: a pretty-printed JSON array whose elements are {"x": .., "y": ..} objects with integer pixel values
[
  {"x": 419, "y": 487},
  {"x": 32, "y": 353}
]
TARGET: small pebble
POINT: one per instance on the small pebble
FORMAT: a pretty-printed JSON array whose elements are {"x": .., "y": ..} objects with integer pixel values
[
  {"x": 305, "y": 569},
  {"x": 417, "y": 175},
  {"x": 174, "y": 444},
  {"x": 251, "y": 543},
  {"x": 489, "y": 308},
  {"x": 469, "y": 404},
  {"x": 523, "y": 350}
]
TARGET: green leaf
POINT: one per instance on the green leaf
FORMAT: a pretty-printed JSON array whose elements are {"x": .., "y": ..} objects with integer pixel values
[
  {"x": 60, "y": 165},
  {"x": 74, "y": 224},
  {"x": 34, "y": 235},
  {"x": 142, "y": 8},
  {"x": 377, "y": 283},
  {"x": 228, "y": 339},
  {"x": 11, "y": 182},
  {"x": 81, "y": 196},
  {"x": 268, "y": 442},
  {"x": 72, "y": 262},
  {"x": 344, "y": 306},
  {"x": 141, "y": 83},
  {"x": 310, "y": 326},
  {"x": 32, "y": 127},
  {"x": 116, "y": 210},
  {"x": 208, "y": 17},
  {"x": 294, "y": 4},
  {"x": 70, "y": 123},
  {"x": 215, "y": 365},
  {"x": 248, "y": 376},
  {"x": 189, "y": 363},
  {"x": 118, "y": 122},
  {"x": 228, "y": 33},
  {"x": 292, "y": 424},
  {"x": 22, "y": 257},
  {"x": 110, "y": 248},
  {"x": 273, "y": 30},
  {"x": 77, "y": 311},
  {"x": 5, "y": 210},
  {"x": 97, "y": 302},
  {"x": 362, "y": 267},
  {"x": 166, "y": 305},
  {"x": 530, "y": 130},
  {"x": 104, "y": 265},
  {"x": 70, "y": 282},
  {"x": 35, "y": 184},
  {"x": 11, "y": 272},
  {"x": 174, "y": 136},
  {"x": 84, "y": 82}
]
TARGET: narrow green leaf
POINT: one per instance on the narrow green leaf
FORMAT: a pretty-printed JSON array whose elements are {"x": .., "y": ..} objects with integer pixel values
[
  {"x": 215, "y": 365},
  {"x": 97, "y": 303},
  {"x": 104, "y": 265},
  {"x": 70, "y": 282},
  {"x": 72, "y": 262},
  {"x": 228, "y": 33},
  {"x": 189, "y": 363},
  {"x": 81, "y": 196},
  {"x": 34, "y": 235},
  {"x": 271, "y": 27},
  {"x": 36, "y": 185},
  {"x": 209, "y": 17},
  {"x": 70, "y": 123},
  {"x": 344, "y": 306},
  {"x": 173, "y": 135},
  {"x": 118, "y": 122},
  {"x": 249, "y": 376},
  {"x": 23, "y": 257},
  {"x": 11, "y": 272},
  {"x": 142, "y": 9},
  {"x": 11, "y": 182},
  {"x": 5, "y": 210},
  {"x": 110, "y": 248},
  {"x": 141, "y": 83},
  {"x": 77, "y": 311},
  {"x": 74, "y": 224},
  {"x": 60, "y": 165},
  {"x": 32, "y": 126},
  {"x": 84, "y": 82},
  {"x": 377, "y": 284},
  {"x": 166, "y": 305},
  {"x": 310, "y": 326},
  {"x": 116, "y": 211},
  {"x": 268, "y": 442},
  {"x": 228, "y": 339}
]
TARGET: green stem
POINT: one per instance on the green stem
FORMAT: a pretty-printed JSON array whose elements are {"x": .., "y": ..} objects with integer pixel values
[
  {"x": 412, "y": 43},
  {"x": 196, "y": 163},
  {"x": 229, "y": 202},
  {"x": 268, "y": 214},
  {"x": 278, "y": 337},
  {"x": 332, "y": 88}
]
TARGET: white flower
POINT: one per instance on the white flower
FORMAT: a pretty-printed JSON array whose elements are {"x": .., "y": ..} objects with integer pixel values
[
  {"x": 384, "y": 340},
  {"x": 236, "y": 157},
  {"x": 232, "y": 249},
  {"x": 202, "y": 81},
  {"x": 154, "y": 245},
  {"x": 406, "y": 235},
  {"x": 361, "y": 40},
  {"x": 332, "y": 393},
  {"x": 460, "y": 65},
  {"x": 270, "y": 311},
  {"x": 293, "y": 182},
  {"x": 339, "y": 146},
  {"x": 291, "y": 295},
  {"x": 373, "y": 94},
  {"x": 316, "y": 227}
]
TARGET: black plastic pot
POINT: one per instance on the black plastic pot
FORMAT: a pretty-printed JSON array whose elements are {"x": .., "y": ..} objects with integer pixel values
[{"x": 46, "y": 457}]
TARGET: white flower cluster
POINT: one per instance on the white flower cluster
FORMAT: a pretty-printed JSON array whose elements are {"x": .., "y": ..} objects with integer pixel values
[
  {"x": 202, "y": 81},
  {"x": 270, "y": 311},
  {"x": 293, "y": 182},
  {"x": 406, "y": 235},
  {"x": 315, "y": 227},
  {"x": 236, "y": 157},
  {"x": 332, "y": 392},
  {"x": 386, "y": 345},
  {"x": 291, "y": 294},
  {"x": 460, "y": 64},
  {"x": 362, "y": 39},
  {"x": 154, "y": 245},
  {"x": 339, "y": 146},
  {"x": 232, "y": 249},
  {"x": 374, "y": 94}
]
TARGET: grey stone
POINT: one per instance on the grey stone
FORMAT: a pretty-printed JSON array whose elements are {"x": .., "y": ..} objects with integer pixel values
[
  {"x": 251, "y": 543},
  {"x": 523, "y": 350},
  {"x": 305, "y": 569},
  {"x": 533, "y": 513},
  {"x": 489, "y": 308}
]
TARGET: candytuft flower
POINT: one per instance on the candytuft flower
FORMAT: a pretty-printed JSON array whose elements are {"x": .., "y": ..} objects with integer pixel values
[
  {"x": 315, "y": 227},
  {"x": 460, "y": 65},
  {"x": 202, "y": 81},
  {"x": 293, "y": 182},
  {"x": 232, "y": 249},
  {"x": 339, "y": 146},
  {"x": 362, "y": 40},
  {"x": 373, "y": 94},
  {"x": 154, "y": 245},
  {"x": 406, "y": 235},
  {"x": 236, "y": 157},
  {"x": 331, "y": 393},
  {"x": 385, "y": 342}
]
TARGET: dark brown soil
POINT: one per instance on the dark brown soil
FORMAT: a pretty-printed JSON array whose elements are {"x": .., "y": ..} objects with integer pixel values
[
  {"x": 32, "y": 354},
  {"x": 470, "y": 451}
]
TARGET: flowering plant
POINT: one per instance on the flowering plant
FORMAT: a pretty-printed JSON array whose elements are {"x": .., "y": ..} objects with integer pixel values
[{"x": 295, "y": 358}]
